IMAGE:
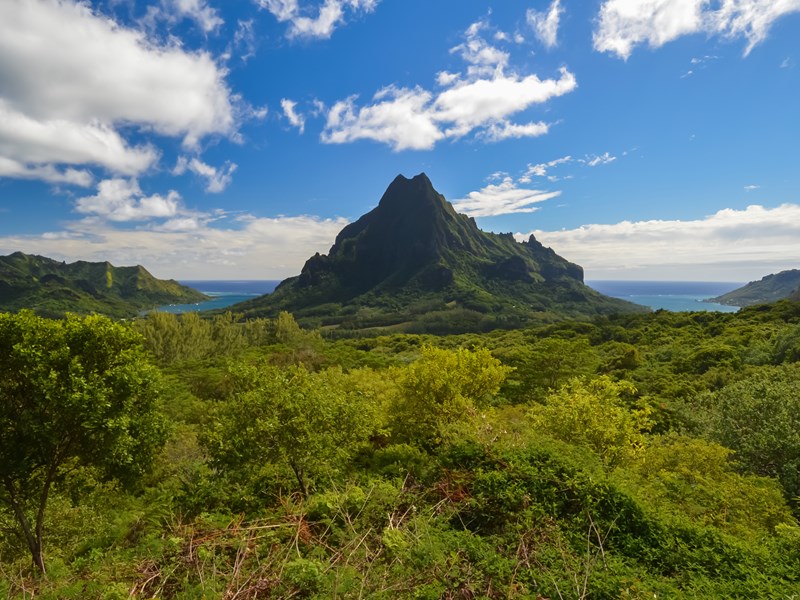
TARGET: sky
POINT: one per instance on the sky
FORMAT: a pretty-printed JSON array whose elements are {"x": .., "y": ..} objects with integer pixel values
[{"x": 233, "y": 139}]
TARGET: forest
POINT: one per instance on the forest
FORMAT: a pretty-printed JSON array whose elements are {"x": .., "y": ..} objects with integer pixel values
[{"x": 180, "y": 457}]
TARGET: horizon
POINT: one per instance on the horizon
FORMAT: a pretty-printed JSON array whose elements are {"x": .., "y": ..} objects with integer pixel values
[{"x": 232, "y": 141}]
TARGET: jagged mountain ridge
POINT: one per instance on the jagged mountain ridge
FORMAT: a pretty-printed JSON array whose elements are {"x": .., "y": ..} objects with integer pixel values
[
  {"x": 52, "y": 287},
  {"x": 413, "y": 256},
  {"x": 770, "y": 288}
]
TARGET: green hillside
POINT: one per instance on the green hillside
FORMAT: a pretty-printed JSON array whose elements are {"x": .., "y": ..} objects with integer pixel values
[
  {"x": 771, "y": 288},
  {"x": 414, "y": 264},
  {"x": 52, "y": 288}
]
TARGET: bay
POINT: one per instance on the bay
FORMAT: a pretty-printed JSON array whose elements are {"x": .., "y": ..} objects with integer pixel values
[
  {"x": 223, "y": 293},
  {"x": 675, "y": 296}
]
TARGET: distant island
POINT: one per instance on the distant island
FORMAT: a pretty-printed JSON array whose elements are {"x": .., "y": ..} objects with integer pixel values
[
  {"x": 779, "y": 286},
  {"x": 414, "y": 264},
  {"x": 53, "y": 288}
]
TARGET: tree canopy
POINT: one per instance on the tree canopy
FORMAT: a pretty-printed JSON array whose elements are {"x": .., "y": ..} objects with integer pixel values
[{"x": 73, "y": 392}]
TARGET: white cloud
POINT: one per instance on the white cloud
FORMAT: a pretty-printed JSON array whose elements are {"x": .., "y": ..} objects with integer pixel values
[
  {"x": 329, "y": 15},
  {"x": 737, "y": 245},
  {"x": 244, "y": 40},
  {"x": 628, "y": 23},
  {"x": 542, "y": 169},
  {"x": 42, "y": 141},
  {"x": 751, "y": 188},
  {"x": 625, "y": 24},
  {"x": 407, "y": 118},
  {"x": 545, "y": 24},
  {"x": 502, "y": 199},
  {"x": 48, "y": 173},
  {"x": 186, "y": 247},
  {"x": 483, "y": 58},
  {"x": 72, "y": 78},
  {"x": 446, "y": 79},
  {"x": 283, "y": 10},
  {"x": 751, "y": 18},
  {"x": 504, "y": 130},
  {"x": 294, "y": 118},
  {"x": 122, "y": 200},
  {"x": 485, "y": 101},
  {"x": 602, "y": 159},
  {"x": 217, "y": 178},
  {"x": 400, "y": 117},
  {"x": 173, "y": 11},
  {"x": 482, "y": 101}
]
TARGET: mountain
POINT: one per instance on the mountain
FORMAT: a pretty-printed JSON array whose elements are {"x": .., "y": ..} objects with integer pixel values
[
  {"x": 51, "y": 287},
  {"x": 771, "y": 288},
  {"x": 414, "y": 264}
]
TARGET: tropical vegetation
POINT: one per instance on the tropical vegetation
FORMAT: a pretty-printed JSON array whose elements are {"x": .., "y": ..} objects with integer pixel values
[{"x": 634, "y": 456}]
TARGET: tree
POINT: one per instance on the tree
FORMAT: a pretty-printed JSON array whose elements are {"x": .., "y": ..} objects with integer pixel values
[
  {"x": 309, "y": 422},
  {"x": 593, "y": 414},
  {"x": 545, "y": 364},
  {"x": 75, "y": 392},
  {"x": 759, "y": 418},
  {"x": 444, "y": 387}
]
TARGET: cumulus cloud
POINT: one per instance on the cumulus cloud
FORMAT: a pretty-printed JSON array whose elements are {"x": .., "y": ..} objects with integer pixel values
[
  {"x": 738, "y": 245},
  {"x": 625, "y": 24},
  {"x": 399, "y": 117},
  {"x": 122, "y": 200},
  {"x": 73, "y": 78},
  {"x": 545, "y": 24},
  {"x": 482, "y": 100},
  {"x": 187, "y": 247},
  {"x": 329, "y": 15},
  {"x": 43, "y": 142},
  {"x": 48, "y": 173},
  {"x": 503, "y": 198},
  {"x": 217, "y": 178},
  {"x": 294, "y": 118}
]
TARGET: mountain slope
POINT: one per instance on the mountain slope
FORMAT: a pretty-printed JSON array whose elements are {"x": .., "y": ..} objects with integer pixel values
[
  {"x": 771, "y": 288},
  {"x": 413, "y": 263},
  {"x": 52, "y": 288}
]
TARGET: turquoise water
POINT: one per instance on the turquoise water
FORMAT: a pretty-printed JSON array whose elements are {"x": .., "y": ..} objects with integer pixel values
[
  {"x": 675, "y": 296},
  {"x": 223, "y": 294}
]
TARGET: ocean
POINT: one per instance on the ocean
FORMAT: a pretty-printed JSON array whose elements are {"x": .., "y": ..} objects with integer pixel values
[{"x": 676, "y": 296}]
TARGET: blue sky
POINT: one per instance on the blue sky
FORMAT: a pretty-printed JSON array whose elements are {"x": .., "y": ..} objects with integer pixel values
[{"x": 642, "y": 139}]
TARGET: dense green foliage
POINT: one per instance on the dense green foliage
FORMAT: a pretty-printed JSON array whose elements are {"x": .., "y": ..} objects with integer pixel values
[
  {"x": 415, "y": 265},
  {"x": 52, "y": 288},
  {"x": 639, "y": 456},
  {"x": 72, "y": 393}
]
